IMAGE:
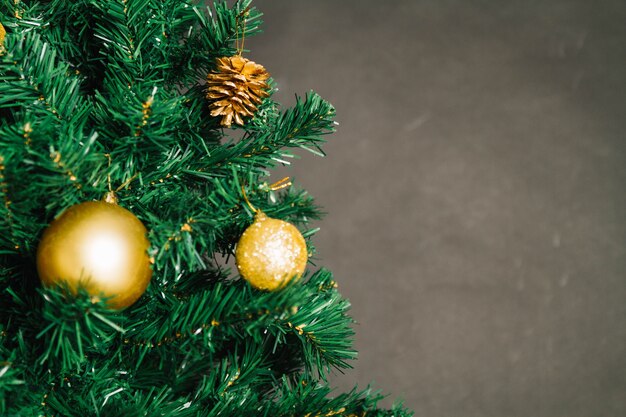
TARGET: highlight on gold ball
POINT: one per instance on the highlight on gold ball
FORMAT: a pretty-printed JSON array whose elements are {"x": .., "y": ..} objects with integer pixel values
[
  {"x": 98, "y": 246},
  {"x": 270, "y": 252}
]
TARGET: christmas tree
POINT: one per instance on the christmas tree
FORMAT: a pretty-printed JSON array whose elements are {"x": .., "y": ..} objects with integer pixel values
[{"x": 136, "y": 143}]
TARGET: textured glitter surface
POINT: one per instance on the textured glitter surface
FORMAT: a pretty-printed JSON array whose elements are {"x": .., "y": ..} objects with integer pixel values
[
  {"x": 270, "y": 253},
  {"x": 99, "y": 246}
]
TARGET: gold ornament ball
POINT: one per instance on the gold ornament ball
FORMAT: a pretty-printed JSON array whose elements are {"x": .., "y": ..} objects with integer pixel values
[
  {"x": 99, "y": 246},
  {"x": 2, "y": 35},
  {"x": 270, "y": 253}
]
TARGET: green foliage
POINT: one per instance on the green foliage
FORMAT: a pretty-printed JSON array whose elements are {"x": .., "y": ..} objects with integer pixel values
[{"x": 110, "y": 93}]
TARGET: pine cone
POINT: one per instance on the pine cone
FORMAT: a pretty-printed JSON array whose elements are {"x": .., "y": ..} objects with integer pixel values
[{"x": 236, "y": 86}]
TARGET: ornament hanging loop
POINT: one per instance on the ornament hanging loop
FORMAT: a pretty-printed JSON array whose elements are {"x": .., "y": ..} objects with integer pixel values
[
  {"x": 111, "y": 196},
  {"x": 245, "y": 198}
]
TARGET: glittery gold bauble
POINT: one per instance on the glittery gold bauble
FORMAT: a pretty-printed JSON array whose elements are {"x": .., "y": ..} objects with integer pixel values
[
  {"x": 2, "y": 34},
  {"x": 235, "y": 87},
  {"x": 99, "y": 246},
  {"x": 270, "y": 253}
]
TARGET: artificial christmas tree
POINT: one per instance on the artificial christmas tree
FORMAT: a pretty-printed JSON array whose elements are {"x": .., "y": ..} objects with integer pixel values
[{"x": 109, "y": 98}]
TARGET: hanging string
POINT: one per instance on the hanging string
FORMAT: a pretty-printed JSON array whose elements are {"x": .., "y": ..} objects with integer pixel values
[
  {"x": 111, "y": 196},
  {"x": 108, "y": 155},
  {"x": 245, "y": 198},
  {"x": 239, "y": 40}
]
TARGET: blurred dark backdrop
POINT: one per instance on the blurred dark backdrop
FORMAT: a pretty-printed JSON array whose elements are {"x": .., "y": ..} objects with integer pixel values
[{"x": 476, "y": 194}]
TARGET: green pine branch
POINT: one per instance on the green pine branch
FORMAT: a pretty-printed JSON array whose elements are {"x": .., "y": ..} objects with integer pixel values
[{"x": 99, "y": 95}]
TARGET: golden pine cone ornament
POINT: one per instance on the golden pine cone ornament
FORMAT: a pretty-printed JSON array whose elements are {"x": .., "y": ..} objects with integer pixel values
[{"x": 235, "y": 88}]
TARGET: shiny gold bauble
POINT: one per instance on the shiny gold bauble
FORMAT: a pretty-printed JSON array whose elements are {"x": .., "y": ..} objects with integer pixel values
[
  {"x": 270, "y": 253},
  {"x": 99, "y": 246},
  {"x": 2, "y": 34}
]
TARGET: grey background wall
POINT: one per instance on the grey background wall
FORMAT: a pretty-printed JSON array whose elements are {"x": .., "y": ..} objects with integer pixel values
[{"x": 476, "y": 194}]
